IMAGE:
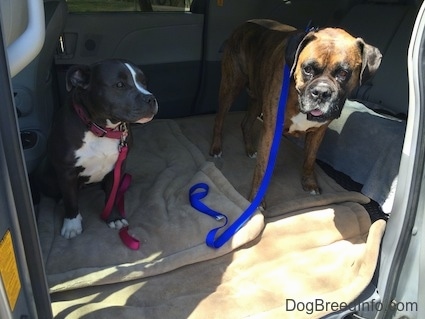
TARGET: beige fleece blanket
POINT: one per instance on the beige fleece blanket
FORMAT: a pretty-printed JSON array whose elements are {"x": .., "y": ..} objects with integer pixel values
[
  {"x": 300, "y": 263},
  {"x": 285, "y": 193},
  {"x": 163, "y": 165},
  {"x": 312, "y": 247}
]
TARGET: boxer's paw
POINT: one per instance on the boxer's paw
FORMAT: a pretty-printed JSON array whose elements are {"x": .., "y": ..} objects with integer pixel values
[
  {"x": 216, "y": 151},
  {"x": 72, "y": 227},
  {"x": 252, "y": 154},
  {"x": 310, "y": 185},
  {"x": 118, "y": 223},
  {"x": 250, "y": 149},
  {"x": 262, "y": 206}
]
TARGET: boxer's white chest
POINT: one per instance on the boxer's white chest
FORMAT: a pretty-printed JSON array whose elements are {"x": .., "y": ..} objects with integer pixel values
[
  {"x": 97, "y": 156},
  {"x": 301, "y": 124}
]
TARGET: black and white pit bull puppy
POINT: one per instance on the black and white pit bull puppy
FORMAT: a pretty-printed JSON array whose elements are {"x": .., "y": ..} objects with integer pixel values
[{"x": 83, "y": 146}]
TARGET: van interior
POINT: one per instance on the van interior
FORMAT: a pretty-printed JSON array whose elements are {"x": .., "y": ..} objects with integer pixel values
[{"x": 303, "y": 256}]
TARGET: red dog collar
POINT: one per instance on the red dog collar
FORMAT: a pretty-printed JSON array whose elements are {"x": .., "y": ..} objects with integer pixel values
[{"x": 93, "y": 127}]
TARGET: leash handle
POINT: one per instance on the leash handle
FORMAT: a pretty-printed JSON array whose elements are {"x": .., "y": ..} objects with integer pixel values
[
  {"x": 129, "y": 240},
  {"x": 200, "y": 190}
]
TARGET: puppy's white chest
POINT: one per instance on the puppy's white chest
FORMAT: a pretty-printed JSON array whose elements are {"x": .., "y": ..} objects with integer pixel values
[
  {"x": 97, "y": 156},
  {"x": 300, "y": 123}
]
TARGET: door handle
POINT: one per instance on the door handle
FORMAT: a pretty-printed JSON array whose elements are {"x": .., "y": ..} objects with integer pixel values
[{"x": 28, "y": 45}]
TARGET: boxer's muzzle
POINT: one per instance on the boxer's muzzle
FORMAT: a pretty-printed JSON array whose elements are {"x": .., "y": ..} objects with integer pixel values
[{"x": 320, "y": 101}]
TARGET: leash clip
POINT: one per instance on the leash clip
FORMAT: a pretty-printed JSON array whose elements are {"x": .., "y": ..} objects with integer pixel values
[
  {"x": 124, "y": 135},
  {"x": 219, "y": 217},
  {"x": 310, "y": 28}
]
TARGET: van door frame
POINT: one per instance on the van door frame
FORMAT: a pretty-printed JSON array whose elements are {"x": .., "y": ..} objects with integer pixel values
[{"x": 17, "y": 210}]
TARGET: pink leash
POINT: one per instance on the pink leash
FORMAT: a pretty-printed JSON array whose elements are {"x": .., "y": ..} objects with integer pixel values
[
  {"x": 114, "y": 192},
  {"x": 116, "y": 197},
  {"x": 119, "y": 187}
]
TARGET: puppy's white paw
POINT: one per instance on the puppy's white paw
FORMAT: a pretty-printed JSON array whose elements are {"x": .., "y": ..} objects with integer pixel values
[
  {"x": 72, "y": 227},
  {"x": 118, "y": 224},
  {"x": 218, "y": 155}
]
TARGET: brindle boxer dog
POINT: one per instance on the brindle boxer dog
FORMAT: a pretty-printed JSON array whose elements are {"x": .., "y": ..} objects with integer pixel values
[{"x": 326, "y": 66}]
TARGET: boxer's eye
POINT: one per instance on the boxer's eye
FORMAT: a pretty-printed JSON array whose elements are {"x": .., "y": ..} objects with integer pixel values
[
  {"x": 119, "y": 85},
  {"x": 342, "y": 75},
  {"x": 308, "y": 70}
]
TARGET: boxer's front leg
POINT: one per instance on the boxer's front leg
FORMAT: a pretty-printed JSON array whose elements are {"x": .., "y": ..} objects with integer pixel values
[{"x": 313, "y": 140}]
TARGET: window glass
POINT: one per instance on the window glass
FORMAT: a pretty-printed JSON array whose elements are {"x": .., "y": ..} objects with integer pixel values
[{"x": 128, "y": 5}]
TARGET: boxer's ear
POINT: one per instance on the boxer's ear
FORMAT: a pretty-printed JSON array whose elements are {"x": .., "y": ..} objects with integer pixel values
[
  {"x": 296, "y": 43},
  {"x": 77, "y": 76},
  {"x": 371, "y": 59}
]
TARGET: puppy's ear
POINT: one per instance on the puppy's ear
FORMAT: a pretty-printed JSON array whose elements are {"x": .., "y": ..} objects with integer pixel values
[
  {"x": 371, "y": 59},
  {"x": 295, "y": 45},
  {"x": 77, "y": 76}
]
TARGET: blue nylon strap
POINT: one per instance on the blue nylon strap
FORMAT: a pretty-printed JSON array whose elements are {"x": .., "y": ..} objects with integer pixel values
[{"x": 200, "y": 190}]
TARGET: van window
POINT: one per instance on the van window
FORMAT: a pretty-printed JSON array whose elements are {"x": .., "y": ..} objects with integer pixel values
[{"x": 128, "y": 5}]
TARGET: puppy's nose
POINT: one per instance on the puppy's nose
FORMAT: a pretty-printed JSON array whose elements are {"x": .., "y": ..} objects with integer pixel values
[
  {"x": 150, "y": 99},
  {"x": 321, "y": 92}
]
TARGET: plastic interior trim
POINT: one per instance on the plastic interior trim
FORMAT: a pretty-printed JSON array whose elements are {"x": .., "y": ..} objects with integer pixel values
[{"x": 29, "y": 44}]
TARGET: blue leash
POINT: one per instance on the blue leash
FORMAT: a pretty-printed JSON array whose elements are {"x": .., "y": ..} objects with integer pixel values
[{"x": 200, "y": 190}]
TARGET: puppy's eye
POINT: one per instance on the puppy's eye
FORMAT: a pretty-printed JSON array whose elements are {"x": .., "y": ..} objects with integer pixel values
[
  {"x": 308, "y": 70},
  {"x": 119, "y": 85},
  {"x": 142, "y": 80}
]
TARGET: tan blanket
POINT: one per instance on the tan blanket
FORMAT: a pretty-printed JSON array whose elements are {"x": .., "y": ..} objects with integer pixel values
[
  {"x": 301, "y": 263},
  {"x": 312, "y": 248},
  {"x": 163, "y": 165},
  {"x": 285, "y": 193}
]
